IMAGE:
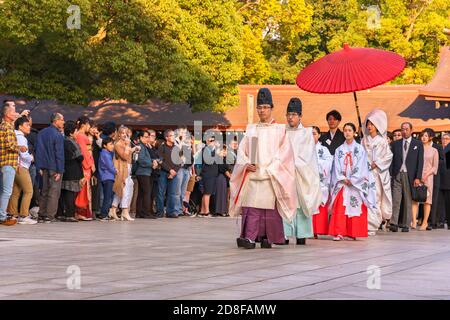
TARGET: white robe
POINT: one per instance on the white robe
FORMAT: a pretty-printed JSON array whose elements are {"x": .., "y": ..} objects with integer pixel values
[
  {"x": 325, "y": 161},
  {"x": 350, "y": 162},
  {"x": 379, "y": 152},
  {"x": 306, "y": 169},
  {"x": 273, "y": 183}
]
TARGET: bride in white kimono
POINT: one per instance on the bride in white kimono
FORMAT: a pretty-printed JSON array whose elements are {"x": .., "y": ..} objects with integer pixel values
[
  {"x": 380, "y": 158},
  {"x": 320, "y": 216},
  {"x": 352, "y": 189}
]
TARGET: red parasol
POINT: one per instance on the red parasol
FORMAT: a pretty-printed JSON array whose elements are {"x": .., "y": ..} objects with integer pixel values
[{"x": 351, "y": 70}]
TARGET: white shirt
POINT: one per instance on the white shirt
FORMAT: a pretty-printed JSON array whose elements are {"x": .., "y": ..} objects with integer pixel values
[
  {"x": 25, "y": 158},
  {"x": 332, "y": 134},
  {"x": 405, "y": 153}
]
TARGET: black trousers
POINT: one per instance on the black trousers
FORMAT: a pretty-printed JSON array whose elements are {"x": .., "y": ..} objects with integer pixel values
[
  {"x": 96, "y": 205},
  {"x": 153, "y": 194},
  {"x": 446, "y": 194},
  {"x": 69, "y": 203},
  {"x": 442, "y": 208},
  {"x": 144, "y": 204},
  {"x": 434, "y": 214}
]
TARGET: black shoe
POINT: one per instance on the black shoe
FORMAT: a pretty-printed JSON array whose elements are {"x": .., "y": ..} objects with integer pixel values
[
  {"x": 441, "y": 226},
  {"x": 159, "y": 215},
  {"x": 265, "y": 244},
  {"x": 301, "y": 241},
  {"x": 61, "y": 218},
  {"x": 107, "y": 218},
  {"x": 245, "y": 243},
  {"x": 171, "y": 216},
  {"x": 286, "y": 242},
  {"x": 222, "y": 215},
  {"x": 148, "y": 216},
  {"x": 393, "y": 228},
  {"x": 429, "y": 228},
  {"x": 70, "y": 219},
  {"x": 46, "y": 220},
  {"x": 405, "y": 229}
]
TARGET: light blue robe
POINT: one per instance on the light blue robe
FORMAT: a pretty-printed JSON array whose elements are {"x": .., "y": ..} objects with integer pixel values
[{"x": 307, "y": 183}]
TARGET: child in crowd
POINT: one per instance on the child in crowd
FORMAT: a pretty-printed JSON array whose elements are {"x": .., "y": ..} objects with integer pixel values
[{"x": 107, "y": 173}]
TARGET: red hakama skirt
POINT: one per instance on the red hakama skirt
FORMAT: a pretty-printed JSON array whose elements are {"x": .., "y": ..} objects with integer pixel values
[
  {"x": 341, "y": 224},
  {"x": 320, "y": 221}
]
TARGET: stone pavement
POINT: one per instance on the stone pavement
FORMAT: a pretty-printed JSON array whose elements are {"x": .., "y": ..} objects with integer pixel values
[{"x": 197, "y": 258}]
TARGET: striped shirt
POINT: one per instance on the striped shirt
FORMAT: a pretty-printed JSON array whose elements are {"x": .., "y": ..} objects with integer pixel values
[{"x": 9, "y": 150}]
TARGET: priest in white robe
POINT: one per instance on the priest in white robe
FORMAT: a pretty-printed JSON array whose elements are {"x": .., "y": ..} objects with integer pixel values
[
  {"x": 306, "y": 172},
  {"x": 262, "y": 185},
  {"x": 380, "y": 157}
]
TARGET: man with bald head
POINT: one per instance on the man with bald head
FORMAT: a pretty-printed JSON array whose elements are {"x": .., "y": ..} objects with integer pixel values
[{"x": 50, "y": 165}]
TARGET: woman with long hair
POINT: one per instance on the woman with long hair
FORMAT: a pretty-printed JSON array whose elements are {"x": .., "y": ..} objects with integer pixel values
[
  {"x": 123, "y": 184},
  {"x": 430, "y": 168},
  {"x": 83, "y": 201},
  {"x": 352, "y": 189}
]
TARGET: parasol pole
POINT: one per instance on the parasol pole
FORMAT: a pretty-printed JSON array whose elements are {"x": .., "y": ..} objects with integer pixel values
[{"x": 359, "y": 115}]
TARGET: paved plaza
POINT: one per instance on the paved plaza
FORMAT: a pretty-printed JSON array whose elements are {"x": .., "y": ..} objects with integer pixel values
[{"x": 197, "y": 258}]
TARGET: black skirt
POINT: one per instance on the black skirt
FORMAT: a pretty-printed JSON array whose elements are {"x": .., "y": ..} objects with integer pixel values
[{"x": 209, "y": 185}]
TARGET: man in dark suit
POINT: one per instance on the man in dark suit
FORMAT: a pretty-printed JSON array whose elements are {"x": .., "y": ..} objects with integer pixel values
[
  {"x": 333, "y": 138},
  {"x": 406, "y": 173},
  {"x": 444, "y": 192},
  {"x": 434, "y": 216}
]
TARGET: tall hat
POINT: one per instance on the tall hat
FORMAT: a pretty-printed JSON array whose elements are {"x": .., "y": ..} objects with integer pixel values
[
  {"x": 295, "y": 105},
  {"x": 264, "y": 97}
]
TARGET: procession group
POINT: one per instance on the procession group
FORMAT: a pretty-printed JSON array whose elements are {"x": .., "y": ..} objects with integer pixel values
[{"x": 293, "y": 181}]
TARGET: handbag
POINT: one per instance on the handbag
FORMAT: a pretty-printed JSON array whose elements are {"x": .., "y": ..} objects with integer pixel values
[{"x": 419, "y": 194}]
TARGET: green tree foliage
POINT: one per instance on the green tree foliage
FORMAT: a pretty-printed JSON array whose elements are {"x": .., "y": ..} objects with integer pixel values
[
  {"x": 197, "y": 51},
  {"x": 185, "y": 50},
  {"x": 412, "y": 28},
  {"x": 275, "y": 26}
]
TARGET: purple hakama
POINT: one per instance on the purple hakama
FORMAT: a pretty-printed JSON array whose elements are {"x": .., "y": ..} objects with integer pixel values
[{"x": 262, "y": 223}]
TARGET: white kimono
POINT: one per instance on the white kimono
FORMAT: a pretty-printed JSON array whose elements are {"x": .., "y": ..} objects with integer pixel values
[
  {"x": 325, "y": 165},
  {"x": 306, "y": 169},
  {"x": 379, "y": 152},
  {"x": 350, "y": 162},
  {"x": 307, "y": 182},
  {"x": 273, "y": 183}
]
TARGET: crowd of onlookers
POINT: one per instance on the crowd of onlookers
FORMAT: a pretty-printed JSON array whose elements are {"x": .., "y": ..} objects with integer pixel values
[
  {"x": 72, "y": 171},
  {"x": 75, "y": 170},
  {"x": 434, "y": 212}
]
